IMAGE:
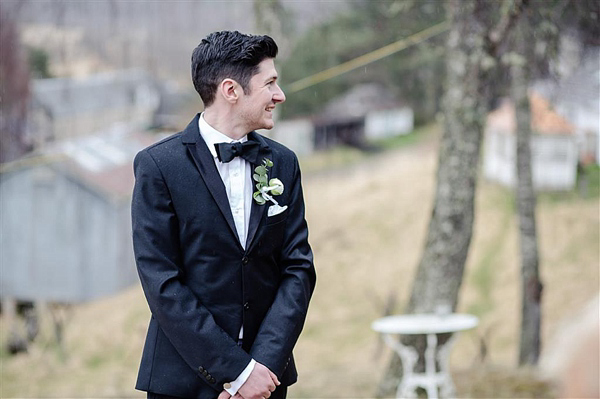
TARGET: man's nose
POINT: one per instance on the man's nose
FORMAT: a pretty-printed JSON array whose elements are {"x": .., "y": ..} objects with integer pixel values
[{"x": 278, "y": 96}]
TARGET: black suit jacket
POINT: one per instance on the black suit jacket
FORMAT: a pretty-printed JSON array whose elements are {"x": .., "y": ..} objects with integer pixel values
[{"x": 201, "y": 285}]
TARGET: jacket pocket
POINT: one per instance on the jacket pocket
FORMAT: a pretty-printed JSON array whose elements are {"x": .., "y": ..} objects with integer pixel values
[{"x": 271, "y": 220}]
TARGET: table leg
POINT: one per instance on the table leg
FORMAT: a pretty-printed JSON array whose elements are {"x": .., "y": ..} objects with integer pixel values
[
  {"x": 446, "y": 386},
  {"x": 409, "y": 357},
  {"x": 430, "y": 368},
  {"x": 433, "y": 379}
]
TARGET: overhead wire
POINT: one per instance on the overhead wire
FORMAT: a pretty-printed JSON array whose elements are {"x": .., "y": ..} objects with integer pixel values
[{"x": 368, "y": 58}]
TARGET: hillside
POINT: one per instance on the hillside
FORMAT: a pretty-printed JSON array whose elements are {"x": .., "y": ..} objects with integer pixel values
[{"x": 367, "y": 217}]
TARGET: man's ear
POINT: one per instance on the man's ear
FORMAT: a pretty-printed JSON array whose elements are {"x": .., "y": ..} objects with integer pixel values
[{"x": 230, "y": 90}]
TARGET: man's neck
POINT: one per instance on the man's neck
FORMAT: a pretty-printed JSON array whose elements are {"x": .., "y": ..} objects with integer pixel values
[{"x": 225, "y": 123}]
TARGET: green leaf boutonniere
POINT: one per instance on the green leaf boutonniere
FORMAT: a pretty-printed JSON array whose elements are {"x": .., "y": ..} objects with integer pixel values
[{"x": 266, "y": 188}]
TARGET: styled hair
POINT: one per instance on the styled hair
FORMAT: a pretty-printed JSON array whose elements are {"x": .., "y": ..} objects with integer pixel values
[{"x": 226, "y": 54}]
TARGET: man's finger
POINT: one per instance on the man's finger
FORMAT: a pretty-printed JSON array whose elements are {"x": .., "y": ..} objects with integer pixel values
[
  {"x": 224, "y": 395},
  {"x": 274, "y": 378}
]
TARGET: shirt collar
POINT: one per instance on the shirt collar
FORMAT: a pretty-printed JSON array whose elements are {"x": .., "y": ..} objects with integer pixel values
[{"x": 212, "y": 136}]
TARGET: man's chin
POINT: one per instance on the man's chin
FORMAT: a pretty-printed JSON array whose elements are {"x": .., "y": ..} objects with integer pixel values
[{"x": 268, "y": 125}]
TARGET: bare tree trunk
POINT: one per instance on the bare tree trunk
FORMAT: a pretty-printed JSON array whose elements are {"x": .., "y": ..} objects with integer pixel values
[
  {"x": 272, "y": 19},
  {"x": 526, "y": 200},
  {"x": 440, "y": 272},
  {"x": 14, "y": 87}
]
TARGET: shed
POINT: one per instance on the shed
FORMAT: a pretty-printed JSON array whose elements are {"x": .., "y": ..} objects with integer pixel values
[
  {"x": 366, "y": 112},
  {"x": 553, "y": 147},
  {"x": 66, "y": 225}
]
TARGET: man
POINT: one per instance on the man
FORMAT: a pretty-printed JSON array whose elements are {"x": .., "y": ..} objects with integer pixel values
[{"x": 225, "y": 266}]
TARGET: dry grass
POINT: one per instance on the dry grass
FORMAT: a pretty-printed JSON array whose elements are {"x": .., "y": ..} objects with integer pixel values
[{"x": 368, "y": 217}]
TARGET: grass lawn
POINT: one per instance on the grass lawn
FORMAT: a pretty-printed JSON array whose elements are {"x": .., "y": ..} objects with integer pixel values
[{"x": 368, "y": 215}]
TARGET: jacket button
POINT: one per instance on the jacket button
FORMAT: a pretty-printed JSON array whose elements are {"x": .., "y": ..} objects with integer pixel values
[
  {"x": 212, "y": 380},
  {"x": 245, "y": 260},
  {"x": 246, "y": 306},
  {"x": 201, "y": 369}
]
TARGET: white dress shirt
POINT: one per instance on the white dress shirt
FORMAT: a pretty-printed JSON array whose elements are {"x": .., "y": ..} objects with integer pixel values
[{"x": 237, "y": 178}]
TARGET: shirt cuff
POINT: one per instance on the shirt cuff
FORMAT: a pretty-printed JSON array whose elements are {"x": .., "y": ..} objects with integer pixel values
[{"x": 237, "y": 384}]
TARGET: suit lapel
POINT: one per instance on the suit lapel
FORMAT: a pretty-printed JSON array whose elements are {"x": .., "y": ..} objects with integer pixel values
[
  {"x": 257, "y": 211},
  {"x": 206, "y": 165}
]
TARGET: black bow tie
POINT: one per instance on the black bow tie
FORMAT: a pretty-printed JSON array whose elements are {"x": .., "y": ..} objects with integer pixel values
[{"x": 247, "y": 150}]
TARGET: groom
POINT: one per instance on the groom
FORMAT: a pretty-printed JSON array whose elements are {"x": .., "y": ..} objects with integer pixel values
[{"x": 227, "y": 273}]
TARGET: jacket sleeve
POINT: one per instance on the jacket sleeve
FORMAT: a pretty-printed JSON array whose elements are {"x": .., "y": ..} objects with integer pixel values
[
  {"x": 205, "y": 347},
  {"x": 283, "y": 323}
]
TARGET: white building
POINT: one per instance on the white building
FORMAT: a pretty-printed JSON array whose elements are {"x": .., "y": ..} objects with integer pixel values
[{"x": 553, "y": 147}]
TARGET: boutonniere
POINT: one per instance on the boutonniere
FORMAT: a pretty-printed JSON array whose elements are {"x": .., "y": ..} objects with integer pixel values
[{"x": 266, "y": 188}]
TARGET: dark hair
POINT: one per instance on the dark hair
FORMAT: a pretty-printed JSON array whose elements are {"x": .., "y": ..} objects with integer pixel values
[{"x": 231, "y": 55}]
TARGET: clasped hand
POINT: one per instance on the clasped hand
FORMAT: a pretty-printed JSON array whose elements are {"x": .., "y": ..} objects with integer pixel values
[{"x": 259, "y": 385}]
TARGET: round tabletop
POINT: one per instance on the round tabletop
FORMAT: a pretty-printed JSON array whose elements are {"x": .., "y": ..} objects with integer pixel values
[{"x": 424, "y": 323}]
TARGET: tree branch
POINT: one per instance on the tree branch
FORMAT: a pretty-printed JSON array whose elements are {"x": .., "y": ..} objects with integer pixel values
[{"x": 498, "y": 34}]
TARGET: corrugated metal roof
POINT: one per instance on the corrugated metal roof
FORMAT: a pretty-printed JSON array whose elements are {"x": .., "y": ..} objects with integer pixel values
[
  {"x": 101, "y": 162},
  {"x": 105, "y": 162},
  {"x": 358, "y": 102},
  {"x": 544, "y": 120}
]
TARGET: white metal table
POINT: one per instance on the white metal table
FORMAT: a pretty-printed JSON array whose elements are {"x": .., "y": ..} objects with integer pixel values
[{"x": 430, "y": 325}]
